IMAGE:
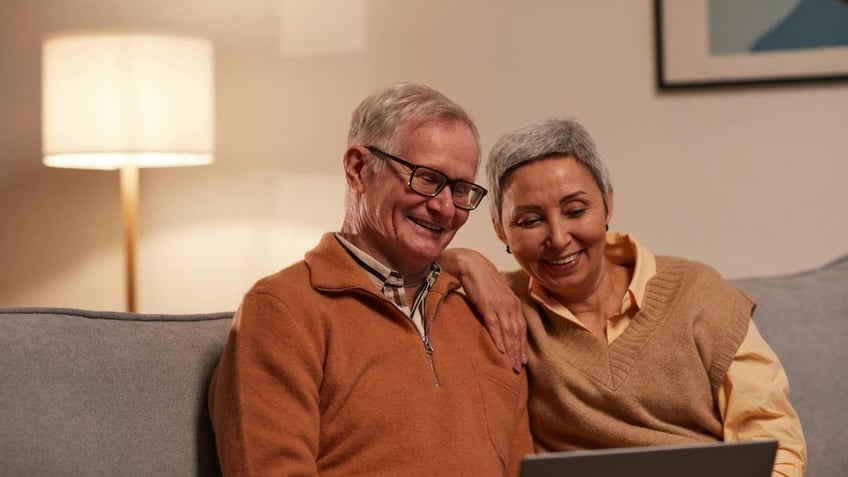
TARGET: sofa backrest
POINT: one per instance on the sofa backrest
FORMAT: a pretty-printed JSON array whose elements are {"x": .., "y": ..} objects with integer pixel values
[
  {"x": 804, "y": 317},
  {"x": 101, "y": 393}
]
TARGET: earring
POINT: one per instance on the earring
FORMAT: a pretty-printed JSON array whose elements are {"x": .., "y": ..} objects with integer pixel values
[
  {"x": 508, "y": 250},
  {"x": 607, "y": 227}
]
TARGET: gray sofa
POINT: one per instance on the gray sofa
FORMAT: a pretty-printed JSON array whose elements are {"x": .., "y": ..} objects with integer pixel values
[{"x": 110, "y": 394}]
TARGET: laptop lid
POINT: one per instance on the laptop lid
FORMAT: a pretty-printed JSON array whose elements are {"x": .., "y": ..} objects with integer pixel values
[{"x": 726, "y": 459}]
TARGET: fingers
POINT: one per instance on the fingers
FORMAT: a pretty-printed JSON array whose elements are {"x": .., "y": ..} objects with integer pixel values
[
  {"x": 524, "y": 358},
  {"x": 507, "y": 328},
  {"x": 494, "y": 327},
  {"x": 513, "y": 330},
  {"x": 509, "y": 337},
  {"x": 520, "y": 334}
]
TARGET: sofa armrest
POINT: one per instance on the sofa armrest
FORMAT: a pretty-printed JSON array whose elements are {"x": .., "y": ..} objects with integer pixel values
[{"x": 804, "y": 317}]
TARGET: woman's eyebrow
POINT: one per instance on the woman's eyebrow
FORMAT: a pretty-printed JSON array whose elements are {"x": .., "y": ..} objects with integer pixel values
[
  {"x": 525, "y": 208},
  {"x": 564, "y": 200},
  {"x": 573, "y": 196}
]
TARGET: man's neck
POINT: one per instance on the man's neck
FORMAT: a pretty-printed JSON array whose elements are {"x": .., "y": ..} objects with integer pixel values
[{"x": 413, "y": 277}]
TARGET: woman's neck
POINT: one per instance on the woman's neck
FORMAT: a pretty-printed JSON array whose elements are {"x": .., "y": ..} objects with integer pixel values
[{"x": 594, "y": 306}]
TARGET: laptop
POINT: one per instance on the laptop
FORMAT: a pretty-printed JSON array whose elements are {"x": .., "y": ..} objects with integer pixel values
[{"x": 724, "y": 459}]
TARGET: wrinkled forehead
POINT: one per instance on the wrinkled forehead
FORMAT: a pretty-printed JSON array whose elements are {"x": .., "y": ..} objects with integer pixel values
[
  {"x": 457, "y": 126},
  {"x": 445, "y": 145}
]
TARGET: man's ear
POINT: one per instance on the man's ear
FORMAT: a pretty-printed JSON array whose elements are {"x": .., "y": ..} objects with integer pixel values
[
  {"x": 499, "y": 230},
  {"x": 354, "y": 166}
]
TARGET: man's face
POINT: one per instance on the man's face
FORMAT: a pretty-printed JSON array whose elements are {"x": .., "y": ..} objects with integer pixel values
[{"x": 405, "y": 230}]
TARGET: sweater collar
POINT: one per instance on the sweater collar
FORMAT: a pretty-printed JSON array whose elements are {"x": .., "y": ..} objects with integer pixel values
[{"x": 331, "y": 268}]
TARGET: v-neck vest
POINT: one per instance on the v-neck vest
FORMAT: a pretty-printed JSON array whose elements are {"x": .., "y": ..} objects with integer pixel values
[{"x": 655, "y": 384}]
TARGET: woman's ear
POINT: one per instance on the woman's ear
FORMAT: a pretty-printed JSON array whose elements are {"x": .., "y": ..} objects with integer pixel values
[
  {"x": 354, "y": 166},
  {"x": 499, "y": 231},
  {"x": 609, "y": 207}
]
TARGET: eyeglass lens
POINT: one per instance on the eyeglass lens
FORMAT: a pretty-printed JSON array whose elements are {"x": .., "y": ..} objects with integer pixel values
[{"x": 429, "y": 182}]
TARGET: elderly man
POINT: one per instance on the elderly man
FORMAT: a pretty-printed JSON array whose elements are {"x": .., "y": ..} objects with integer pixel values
[{"x": 363, "y": 359}]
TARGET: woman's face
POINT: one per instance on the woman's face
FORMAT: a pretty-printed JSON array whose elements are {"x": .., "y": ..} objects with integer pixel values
[{"x": 553, "y": 220}]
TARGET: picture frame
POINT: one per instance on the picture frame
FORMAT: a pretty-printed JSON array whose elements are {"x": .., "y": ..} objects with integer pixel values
[{"x": 694, "y": 49}]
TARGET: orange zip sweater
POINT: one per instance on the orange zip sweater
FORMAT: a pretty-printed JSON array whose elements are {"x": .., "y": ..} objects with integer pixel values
[{"x": 322, "y": 375}]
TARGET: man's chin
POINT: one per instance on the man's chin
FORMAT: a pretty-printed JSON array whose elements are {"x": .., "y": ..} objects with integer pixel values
[{"x": 426, "y": 252}]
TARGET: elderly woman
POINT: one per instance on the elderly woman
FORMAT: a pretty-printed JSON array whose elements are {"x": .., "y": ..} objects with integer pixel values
[{"x": 626, "y": 348}]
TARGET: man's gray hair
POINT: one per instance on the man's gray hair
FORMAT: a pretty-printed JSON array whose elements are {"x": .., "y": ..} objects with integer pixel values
[
  {"x": 382, "y": 118},
  {"x": 540, "y": 140}
]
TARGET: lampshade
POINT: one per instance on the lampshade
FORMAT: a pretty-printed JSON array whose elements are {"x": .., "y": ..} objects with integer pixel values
[{"x": 114, "y": 99}]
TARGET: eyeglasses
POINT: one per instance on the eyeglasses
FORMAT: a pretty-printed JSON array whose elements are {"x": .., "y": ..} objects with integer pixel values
[{"x": 429, "y": 182}]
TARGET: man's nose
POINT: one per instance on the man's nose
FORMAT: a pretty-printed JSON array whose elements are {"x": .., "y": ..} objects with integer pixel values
[{"x": 443, "y": 201}]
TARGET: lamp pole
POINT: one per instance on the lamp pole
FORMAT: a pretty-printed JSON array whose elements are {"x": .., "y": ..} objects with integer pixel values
[{"x": 129, "y": 211}]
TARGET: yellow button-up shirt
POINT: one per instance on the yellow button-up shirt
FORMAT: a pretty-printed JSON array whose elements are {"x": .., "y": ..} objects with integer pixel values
[{"x": 754, "y": 398}]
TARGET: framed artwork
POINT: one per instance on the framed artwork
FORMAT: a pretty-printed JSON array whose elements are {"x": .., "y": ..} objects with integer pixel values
[{"x": 703, "y": 43}]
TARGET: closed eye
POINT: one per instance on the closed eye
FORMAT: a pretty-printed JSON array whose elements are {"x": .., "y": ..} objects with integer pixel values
[
  {"x": 528, "y": 222},
  {"x": 574, "y": 213},
  {"x": 428, "y": 177}
]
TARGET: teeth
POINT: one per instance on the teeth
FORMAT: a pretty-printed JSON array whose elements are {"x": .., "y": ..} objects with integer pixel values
[
  {"x": 565, "y": 260},
  {"x": 425, "y": 225}
]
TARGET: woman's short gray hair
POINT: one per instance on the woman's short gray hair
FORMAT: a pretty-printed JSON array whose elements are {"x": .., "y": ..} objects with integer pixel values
[
  {"x": 540, "y": 140},
  {"x": 381, "y": 118}
]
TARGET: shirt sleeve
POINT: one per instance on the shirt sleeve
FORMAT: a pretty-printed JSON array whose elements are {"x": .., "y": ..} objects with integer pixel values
[
  {"x": 264, "y": 396},
  {"x": 754, "y": 404}
]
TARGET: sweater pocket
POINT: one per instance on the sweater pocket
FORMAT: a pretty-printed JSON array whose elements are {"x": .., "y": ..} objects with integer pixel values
[{"x": 499, "y": 392}]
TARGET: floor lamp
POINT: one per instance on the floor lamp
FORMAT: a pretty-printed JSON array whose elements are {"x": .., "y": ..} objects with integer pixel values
[{"x": 126, "y": 100}]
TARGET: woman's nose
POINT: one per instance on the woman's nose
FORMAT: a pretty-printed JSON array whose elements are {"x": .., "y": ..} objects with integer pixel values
[{"x": 559, "y": 234}]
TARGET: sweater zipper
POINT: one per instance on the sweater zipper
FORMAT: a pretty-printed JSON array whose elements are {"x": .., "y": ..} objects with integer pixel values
[{"x": 428, "y": 348}]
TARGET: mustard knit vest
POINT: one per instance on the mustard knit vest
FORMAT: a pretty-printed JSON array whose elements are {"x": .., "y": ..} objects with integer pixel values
[{"x": 656, "y": 384}]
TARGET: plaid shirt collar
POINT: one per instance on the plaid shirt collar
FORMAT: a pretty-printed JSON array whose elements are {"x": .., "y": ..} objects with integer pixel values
[{"x": 388, "y": 281}]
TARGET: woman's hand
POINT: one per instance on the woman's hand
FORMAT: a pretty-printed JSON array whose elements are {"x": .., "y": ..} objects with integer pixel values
[{"x": 491, "y": 295}]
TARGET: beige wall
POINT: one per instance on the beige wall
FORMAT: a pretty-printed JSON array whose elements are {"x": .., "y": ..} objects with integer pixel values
[{"x": 749, "y": 180}]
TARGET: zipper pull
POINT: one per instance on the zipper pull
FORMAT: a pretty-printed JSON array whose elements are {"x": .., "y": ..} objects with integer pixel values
[{"x": 427, "y": 346}]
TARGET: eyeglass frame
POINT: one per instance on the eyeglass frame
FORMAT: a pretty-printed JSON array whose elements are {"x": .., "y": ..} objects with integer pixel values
[{"x": 447, "y": 181}]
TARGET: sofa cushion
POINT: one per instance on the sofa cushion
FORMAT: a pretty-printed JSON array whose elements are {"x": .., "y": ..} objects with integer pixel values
[
  {"x": 100, "y": 393},
  {"x": 804, "y": 317}
]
